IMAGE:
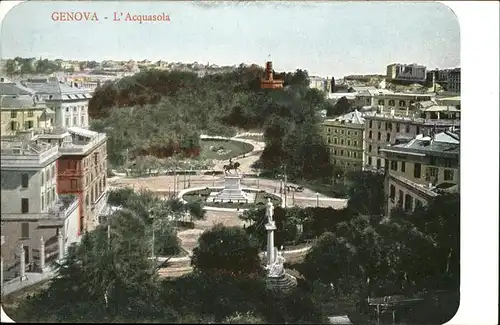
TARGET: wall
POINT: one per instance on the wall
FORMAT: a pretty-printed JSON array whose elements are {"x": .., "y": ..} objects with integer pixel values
[
  {"x": 12, "y": 191},
  {"x": 416, "y": 195},
  {"x": 352, "y": 137},
  {"x": 21, "y": 118}
]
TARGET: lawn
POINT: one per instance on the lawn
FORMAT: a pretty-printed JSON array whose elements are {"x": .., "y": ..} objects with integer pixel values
[
  {"x": 260, "y": 199},
  {"x": 223, "y": 149}
]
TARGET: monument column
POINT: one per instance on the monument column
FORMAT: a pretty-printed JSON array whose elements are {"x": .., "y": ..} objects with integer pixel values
[
  {"x": 22, "y": 265},
  {"x": 61, "y": 244},
  {"x": 270, "y": 227},
  {"x": 42, "y": 254}
]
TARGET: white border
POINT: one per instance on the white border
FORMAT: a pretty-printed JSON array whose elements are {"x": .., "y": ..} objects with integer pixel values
[{"x": 479, "y": 23}]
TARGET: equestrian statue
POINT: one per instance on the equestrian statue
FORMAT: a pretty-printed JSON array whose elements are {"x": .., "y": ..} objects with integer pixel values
[{"x": 231, "y": 166}]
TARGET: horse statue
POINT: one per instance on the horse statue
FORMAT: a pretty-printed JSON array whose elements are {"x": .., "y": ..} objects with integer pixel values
[{"x": 231, "y": 166}]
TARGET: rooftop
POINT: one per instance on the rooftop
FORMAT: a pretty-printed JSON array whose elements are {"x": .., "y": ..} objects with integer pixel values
[
  {"x": 59, "y": 91},
  {"x": 445, "y": 143},
  {"x": 21, "y": 102},
  {"x": 410, "y": 119},
  {"x": 20, "y": 153},
  {"x": 12, "y": 88},
  {"x": 354, "y": 117}
]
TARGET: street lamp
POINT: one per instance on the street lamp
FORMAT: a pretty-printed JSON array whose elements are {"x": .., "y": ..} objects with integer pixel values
[{"x": 317, "y": 199}]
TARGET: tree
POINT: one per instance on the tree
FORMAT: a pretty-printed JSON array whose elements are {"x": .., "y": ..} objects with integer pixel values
[
  {"x": 366, "y": 193},
  {"x": 226, "y": 249},
  {"x": 166, "y": 242},
  {"x": 119, "y": 197}
]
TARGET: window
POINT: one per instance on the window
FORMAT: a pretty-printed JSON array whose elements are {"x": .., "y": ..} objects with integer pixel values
[
  {"x": 13, "y": 114},
  {"x": 67, "y": 121},
  {"x": 82, "y": 120},
  {"x": 42, "y": 178},
  {"x": 43, "y": 201},
  {"x": 418, "y": 129},
  {"x": 348, "y": 142},
  {"x": 370, "y": 148},
  {"x": 348, "y": 132},
  {"x": 342, "y": 132},
  {"x": 342, "y": 141},
  {"x": 24, "y": 205},
  {"x": 379, "y": 136},
  {"x": 447, "y": 162},
  {"x": 53, "y": 194},
  {"x": 403, "y": 166},
  {"x": 402, "y": 103},
  {"x": 388, "y": 137},
  {"x": 378, "y": 163},
  {"x": 448, "y": 175},
  {"x": 67, "y": 109},
  {"x": 74, "y": 120},
  {"x": 28, "y": 124},
  {"x": 417, "y": 170},
  {"x": 394, "y": 165},
  {"x": 418, "y": 204},
  {"x": 341, "y": 152},
  {"x": 53, "y": 170},
  {"x": 381, "y": 102},
  {"x": 354, "y": 155},
  {"x": 407, "y": 129},
  {"x": 370, "y": 135},
  {"x": 379, "y": 124},
  {"x": 25, "y": 180},
  {"x": 30, "y": 113},
  {"x": 355, "y": 143},
  {"x": 335, "y": 152},
  {"x": 334, "y": 140},
  {"x": 13, "y": 125},
  {"x": 388, "y": 126},
  {"x": 329, "y": 130},
  {"x": 400, "y": 198},
  {"x": 328, "y": 140},
  {"x": 392, "y": 102},
  {"x": 431, "y": 174},
  {"x": 25, "y": 230},
  {"x": 392, "y": 193},
  {"x": 397, "y": 127},
  {"x": 370, "y": 161},
  {"x": 336, "y": 131},
  {"x": 370, "y": 124},
  {"x": 408, "y": 202},
  {"x": 74, "y": 108}
]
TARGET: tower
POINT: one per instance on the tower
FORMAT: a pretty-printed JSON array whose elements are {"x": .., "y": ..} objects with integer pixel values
[{"x": 268, "y": 82}]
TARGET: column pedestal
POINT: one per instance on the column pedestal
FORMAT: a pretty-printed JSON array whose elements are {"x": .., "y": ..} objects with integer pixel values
[{"x": 271, "y": 256}]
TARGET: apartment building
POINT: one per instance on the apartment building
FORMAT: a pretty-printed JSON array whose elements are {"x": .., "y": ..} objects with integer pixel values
[
  {"x": 82, "y": 169},
  {"x": 418, "y": 170},
  {"x": 70, "y": 104},
  {"x": 344, "y": 138},
  {"x": 406, "y": 72},
  {"x": 382, "y": 129},
  {"x": 454, "y": 80},
  {"x": 23, "y": 112},
  {"x": 33, "y": 214},
  {"x": 400, "y": 103}
]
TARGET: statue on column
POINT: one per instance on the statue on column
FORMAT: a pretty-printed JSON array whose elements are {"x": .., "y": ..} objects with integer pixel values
[
  {"x": 269, "y": 211},
  {"x": 277, "y": 269}
]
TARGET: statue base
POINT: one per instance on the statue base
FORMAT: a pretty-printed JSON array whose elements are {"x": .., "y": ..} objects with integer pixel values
[
  {"x": 232, "y": 191},
  {"x": 283, "y": 284}
]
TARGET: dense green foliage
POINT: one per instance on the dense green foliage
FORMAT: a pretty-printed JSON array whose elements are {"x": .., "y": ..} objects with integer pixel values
[
  {"x": 163, "y": 113},
  {"x": 226, "y": 249},
  {"x": 403, "y": 255},
  {"x": 366, "y": 193}
]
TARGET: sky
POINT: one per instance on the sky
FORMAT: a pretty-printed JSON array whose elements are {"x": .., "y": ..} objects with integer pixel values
[{"x": 324, "y": 38}]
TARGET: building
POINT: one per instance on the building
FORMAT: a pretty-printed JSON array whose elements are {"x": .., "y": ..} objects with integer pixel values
[
  {"x": 32, "y": 211},
  {"x": 268, "y": 82},
  {"x": 418, "y": 170},
  {"x": 454, "y": 80},
  {"x": 70, "y": 104},
  {"x": 406, "y": 72},
  {"x": 82, "y": 169},
  {"x": 23, "y": 112},
  {"x": 382, "y": 129},
  {"x": 400, "y": 103},
  {"x": 344, "y": 139},
  {"x": 317, "y": 83}
]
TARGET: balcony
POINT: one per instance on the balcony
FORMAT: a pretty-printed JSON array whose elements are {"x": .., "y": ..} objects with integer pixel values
[{"x": 56, "y": 215}]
